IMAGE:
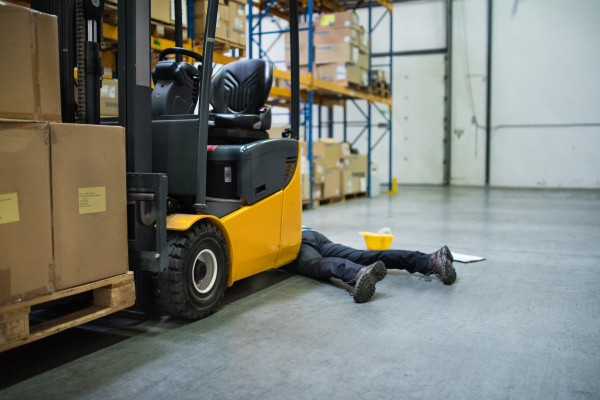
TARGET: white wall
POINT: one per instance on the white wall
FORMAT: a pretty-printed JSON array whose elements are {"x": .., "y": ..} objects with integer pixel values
[
  {"x": 469, "y": 90},
  {"x": 546, "y": 57}
]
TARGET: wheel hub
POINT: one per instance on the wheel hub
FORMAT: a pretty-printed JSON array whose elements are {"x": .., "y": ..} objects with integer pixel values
[{"x": 204, "y": 272}]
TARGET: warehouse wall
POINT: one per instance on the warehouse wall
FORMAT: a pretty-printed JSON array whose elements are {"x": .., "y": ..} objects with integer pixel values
[
  {"x": 418, "y": 93},
  {"x": 544, "y": 72}
]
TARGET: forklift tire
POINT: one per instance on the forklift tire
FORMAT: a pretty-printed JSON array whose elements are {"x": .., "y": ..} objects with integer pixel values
[{"x": 195, "y": 282}]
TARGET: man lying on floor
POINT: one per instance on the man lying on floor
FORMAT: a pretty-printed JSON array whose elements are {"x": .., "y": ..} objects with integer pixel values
[{"x": 319, "y": 258}]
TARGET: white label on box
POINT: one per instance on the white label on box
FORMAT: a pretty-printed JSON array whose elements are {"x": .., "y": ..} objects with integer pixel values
[
  {"x": 349, "y": 184},
  {"x": 340, "y": 73},
  {"x": 319, "y": 169},
  {"x": 9, "y": 208},
  {"x": 218, "y": 20},
  {"x": 363, "y": 184},
  {"x": 241, "y": 12},
  {"x": 347, "y": 162},
  {"x": 317, "y": 194},
  {"x": 92, "y": 200},
  {"x": 346, "y": 39},
  {"x": 239, "y": 23},
  {"x": 346, "y": 23},
  {"x": 354, "y": 55},
  {"x": 108, "y": 91},
  {"x": 365, "y": 78},
  {"x": 337, "y": 191}
]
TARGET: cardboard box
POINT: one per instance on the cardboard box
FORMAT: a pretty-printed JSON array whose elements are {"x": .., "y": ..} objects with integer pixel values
[
  {"x": 363, "y": 62},
  {"x": 184, "y": 17},
  {"x": 319, "y": 171},
  {"x": 364, "y": 41},
  {"x": 336, "y": 53},
  {"x": 359, "y": 183},
  {"x": 302, "y": 48},
  {"x": 222, "y": 30},
  {"x": 358, "y": 163},
  {"x": 332, "y": 185},
  {"x": 317, "y": 191},
  {"x": 109, "y": 98},
  {"x": 89, "y": 201},
  {"x": 160, "y": 10},
  {"x": 342, "y": 74},
  {"x": 348, "y": 186},
  {"x": 26, "y": 264},
  {"x": 29, "y": 67},
  {"x": 305, "y": 187},
  {"x": 339, "y": 20},
  {"x": 326, "y": 35},
  {"x": 237, "y": 22}
]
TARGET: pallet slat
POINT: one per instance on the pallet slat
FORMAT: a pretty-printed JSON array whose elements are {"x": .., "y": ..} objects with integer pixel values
[{"x": 110, "y": 295}]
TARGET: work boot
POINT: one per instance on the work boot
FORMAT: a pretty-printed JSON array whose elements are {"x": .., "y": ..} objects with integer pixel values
[
  {"x": 440, "y": 264},
  {"x": 366, "y": 278}
]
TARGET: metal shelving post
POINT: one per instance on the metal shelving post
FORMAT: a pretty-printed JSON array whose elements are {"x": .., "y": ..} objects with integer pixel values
[{"x": 369, "y": 104}]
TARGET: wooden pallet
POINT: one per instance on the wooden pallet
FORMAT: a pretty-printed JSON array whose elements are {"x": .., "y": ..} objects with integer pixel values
[
  {"x": 306, "y": 204},
  {"x": 223, "y": 46},
  {"x": 110, "y": 295},
  {"x": 351, "y": 196},
  {"x": 385, "y": 93},
  {"x": 331, "y": 200}
]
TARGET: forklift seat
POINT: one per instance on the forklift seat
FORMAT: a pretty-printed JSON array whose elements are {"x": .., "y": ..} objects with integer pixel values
[{"x": 239, "y": 92}]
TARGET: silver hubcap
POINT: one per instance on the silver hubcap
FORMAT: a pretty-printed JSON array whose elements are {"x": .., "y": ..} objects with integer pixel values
[{"x": 204, "y": 272}]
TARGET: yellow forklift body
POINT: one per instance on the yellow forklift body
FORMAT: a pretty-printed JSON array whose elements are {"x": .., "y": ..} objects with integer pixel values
[{"x": 261, "y": 236}]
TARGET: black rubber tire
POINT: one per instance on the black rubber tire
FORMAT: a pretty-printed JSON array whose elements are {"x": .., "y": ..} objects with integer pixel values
[{"x": 174, "y": 288}]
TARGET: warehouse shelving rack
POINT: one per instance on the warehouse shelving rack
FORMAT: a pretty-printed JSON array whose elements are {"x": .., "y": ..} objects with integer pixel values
[{"x": 322, "y": 93}]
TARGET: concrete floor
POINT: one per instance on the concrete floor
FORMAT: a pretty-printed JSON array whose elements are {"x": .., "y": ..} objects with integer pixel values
[{"x": 524, "y": 324}]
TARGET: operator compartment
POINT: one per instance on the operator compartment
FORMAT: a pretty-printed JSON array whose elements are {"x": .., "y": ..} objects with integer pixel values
[{"x": 251, "y": 171}]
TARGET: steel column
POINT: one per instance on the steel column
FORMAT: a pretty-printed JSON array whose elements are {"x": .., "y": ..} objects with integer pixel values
[
  {"x": 488, "y": 117},
  {"x": 448, "y": 97}
]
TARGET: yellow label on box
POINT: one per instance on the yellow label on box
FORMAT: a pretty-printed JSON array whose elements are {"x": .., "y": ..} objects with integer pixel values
[
  {"x": 9, "y": 208},
  {"x": 328, "y": 19},
  {"x": 92, "y": 200}
]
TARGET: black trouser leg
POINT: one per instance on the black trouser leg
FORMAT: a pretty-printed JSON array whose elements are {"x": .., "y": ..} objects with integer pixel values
[
  {"x": 310, "y": 263},
  {"x": 411, "y": 261}
]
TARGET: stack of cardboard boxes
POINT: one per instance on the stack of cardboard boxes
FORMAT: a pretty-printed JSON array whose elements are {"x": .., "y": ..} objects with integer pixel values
[
  {"x": 336, "y": 172},
  {"x": 62, "y": 186},
  {"x": 341, "y": 49},
  {"x": 231, "y": 21}
]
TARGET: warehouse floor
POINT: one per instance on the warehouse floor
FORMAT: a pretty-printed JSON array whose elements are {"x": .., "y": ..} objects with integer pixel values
[{"x": 523, "y": 324}]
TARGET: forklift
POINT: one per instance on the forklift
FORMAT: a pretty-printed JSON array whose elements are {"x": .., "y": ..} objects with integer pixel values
[{"x": 211, "y": 199}]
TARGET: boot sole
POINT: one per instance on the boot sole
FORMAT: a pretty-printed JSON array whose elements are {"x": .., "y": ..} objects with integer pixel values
[{"x": 365, "y": 287}]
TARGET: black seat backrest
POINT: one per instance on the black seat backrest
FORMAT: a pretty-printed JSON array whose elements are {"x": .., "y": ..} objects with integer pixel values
[{"x": 241, "y": 87}]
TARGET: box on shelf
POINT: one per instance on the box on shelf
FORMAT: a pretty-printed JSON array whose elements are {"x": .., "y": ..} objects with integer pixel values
[
  {"x": 109, "y": 98},
  {"x": 348, "y": 184},
  {"x": 26, "y": 263},
  {"x": 303, "y": 46},
  {"x": 326, "y": 35},
  {"x": 237, "y": 22},
  {"x": 378, "y": 75},
  {"x": 364, "y": 41},
  {"x": 89, "y": 203},
  {"x": 363, "y": 62},
  {"x": 184, "y": 18},
  {"x": 359, "y": 183},
  {"x": 317, "y": 191},
  {"x": 223, "y": 29},
  {"x": 342, "y": 74},
  {"x": 160, "y": 10},
  {"x": 336, "y": 53},
  {"x": 329, "y": 151},
  {"x": 345, "y": 149},
  {"x": 338, "y": 20},
  {"x": 29, "y": 68},
  {"x": 358, "y": 163},
  {"x": 332, "y": 185},
  {"x": 319, "y": 171},
  {"x": 305, "y": 187}
]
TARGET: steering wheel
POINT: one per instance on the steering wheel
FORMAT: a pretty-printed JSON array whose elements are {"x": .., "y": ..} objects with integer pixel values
[{"x": 179, "y": 50}]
